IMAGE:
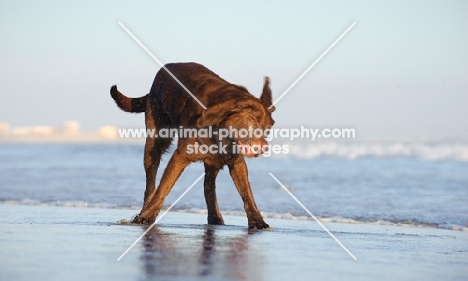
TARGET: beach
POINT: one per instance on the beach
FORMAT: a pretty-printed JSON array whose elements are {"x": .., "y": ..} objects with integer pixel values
[
  {"x": 402, "y": 217},
  {"x": 69, "y": 243}
]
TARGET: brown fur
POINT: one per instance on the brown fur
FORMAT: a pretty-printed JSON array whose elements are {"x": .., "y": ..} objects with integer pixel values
[{"x": 168, "y": 105}]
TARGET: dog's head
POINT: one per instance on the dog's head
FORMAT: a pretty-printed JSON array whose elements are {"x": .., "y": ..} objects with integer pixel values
[{"x": 247, "y": 119}]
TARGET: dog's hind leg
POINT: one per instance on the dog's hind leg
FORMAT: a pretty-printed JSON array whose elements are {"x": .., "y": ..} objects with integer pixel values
[
  {"x": 155, "y": 147},
  {"x": 214, "y": 216},
  {"x": 174, "y": 168}
]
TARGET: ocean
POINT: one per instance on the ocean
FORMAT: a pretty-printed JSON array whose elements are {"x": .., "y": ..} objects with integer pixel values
[{"x": 412, "y": 183}]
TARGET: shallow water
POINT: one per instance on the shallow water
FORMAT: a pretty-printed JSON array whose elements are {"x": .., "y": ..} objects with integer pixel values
[
  {"x": 388, "y": 189},
  {"x": 57, "y": 243}
]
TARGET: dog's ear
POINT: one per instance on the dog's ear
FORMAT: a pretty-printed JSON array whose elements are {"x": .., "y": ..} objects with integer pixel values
[
  {"x": 266, "y": 98},
  {"x": 212, "y": 116}
]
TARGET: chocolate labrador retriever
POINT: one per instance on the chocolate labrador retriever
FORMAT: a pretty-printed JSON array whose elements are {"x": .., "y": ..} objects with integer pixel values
[{"x": 168, "y": 105}]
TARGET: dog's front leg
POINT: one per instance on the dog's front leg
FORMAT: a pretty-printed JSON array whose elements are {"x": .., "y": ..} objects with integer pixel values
[
  {"x": 172, "y": 172},
  {"x": 239, "y": 174}
]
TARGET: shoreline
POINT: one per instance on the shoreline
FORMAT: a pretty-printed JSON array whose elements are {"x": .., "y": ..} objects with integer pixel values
[{"x": 266, "y": 215}]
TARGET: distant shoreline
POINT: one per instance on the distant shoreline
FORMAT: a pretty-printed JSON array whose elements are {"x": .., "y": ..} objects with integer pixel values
[
  {"x": 93, "y": 137},
  {"x": 68, "y": 132}
]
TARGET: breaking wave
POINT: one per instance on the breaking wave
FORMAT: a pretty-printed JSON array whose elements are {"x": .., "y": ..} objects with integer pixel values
[{"x": 454, "y": 150}]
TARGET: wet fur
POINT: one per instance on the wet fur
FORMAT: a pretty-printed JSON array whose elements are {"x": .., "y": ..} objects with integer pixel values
[{"x": 168, "y": 105}]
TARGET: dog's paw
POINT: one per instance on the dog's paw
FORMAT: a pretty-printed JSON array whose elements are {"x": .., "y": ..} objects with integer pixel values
[
  {"x": 113, "y": 89},
  {"x": 259, "y": 224},
  {"x": 215, "y": 220},
  {"x": 143, "y": 220}
]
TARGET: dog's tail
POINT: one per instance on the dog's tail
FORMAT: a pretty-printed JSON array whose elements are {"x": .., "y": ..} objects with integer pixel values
[{"x": 135, "y": 105}]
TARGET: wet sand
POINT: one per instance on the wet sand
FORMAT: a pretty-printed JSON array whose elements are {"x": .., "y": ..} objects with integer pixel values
[{"x": 58, "y": 243}]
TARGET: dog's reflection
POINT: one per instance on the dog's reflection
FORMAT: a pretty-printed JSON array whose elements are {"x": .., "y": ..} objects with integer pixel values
[{"x": 199, "y": 252}]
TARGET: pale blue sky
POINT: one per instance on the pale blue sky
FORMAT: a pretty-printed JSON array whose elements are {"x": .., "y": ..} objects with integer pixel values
[{"x": 401, "y": 72}]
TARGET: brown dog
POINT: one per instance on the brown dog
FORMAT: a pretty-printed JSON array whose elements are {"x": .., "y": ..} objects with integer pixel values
[{"x": 168, "y": 105}]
